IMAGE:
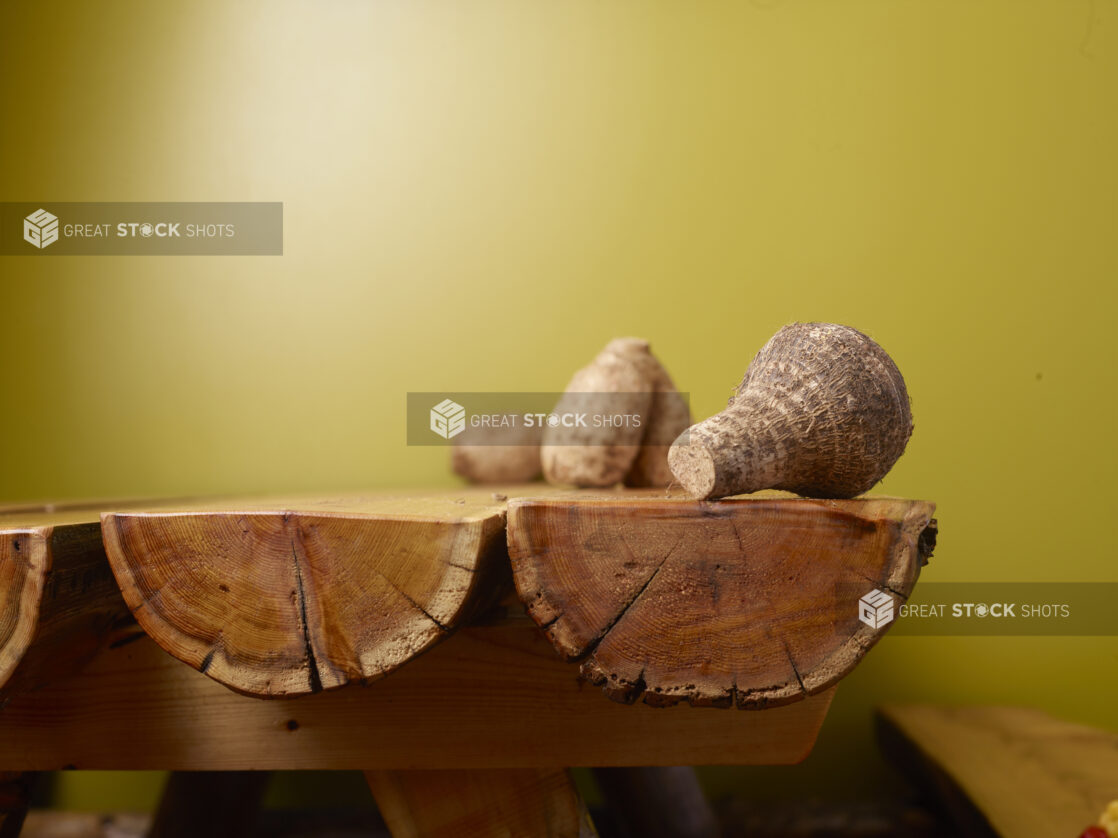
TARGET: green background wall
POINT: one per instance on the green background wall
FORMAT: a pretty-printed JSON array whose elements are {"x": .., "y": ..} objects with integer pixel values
[{"x": 479, "y": 195}]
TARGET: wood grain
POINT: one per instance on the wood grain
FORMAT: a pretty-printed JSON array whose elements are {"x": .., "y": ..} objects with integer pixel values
[
  {"x": 59, "y": 602},
  {"x": 283, "y": 597},
  {"x": 490, "y": 696},
  {"x": 542, "y": 803},
  {"x": 1006, "y": 771},
  {"x": 750, "y": 602}
]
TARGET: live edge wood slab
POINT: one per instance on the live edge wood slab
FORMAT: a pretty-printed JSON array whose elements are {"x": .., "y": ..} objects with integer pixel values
[
  {"x": 59, "y": 602},
  {"x": 284, "y": 597},
  {"x": 749, "y": 602}
]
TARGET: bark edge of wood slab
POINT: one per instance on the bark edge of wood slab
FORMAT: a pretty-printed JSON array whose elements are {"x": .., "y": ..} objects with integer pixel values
[
  {"x": 748, "y": 602},
  {"x": 58, "y": 601},
  {"x": 281, "y": 600}
]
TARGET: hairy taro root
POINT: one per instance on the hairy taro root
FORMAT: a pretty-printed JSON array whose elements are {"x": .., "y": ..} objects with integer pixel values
[
  {"x": 624, "y": 379},
  {"x": 822, "y": 412}
]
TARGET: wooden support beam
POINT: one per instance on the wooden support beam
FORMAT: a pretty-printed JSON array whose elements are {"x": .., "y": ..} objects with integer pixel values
[
  {"x": 59, "y": 602},
  {"x": 1008, "y": 771},
  {"x": 543, "y": 803},
  {"x": 752, "y": 602},
  {"x": 284, "y": 597},
  {"x": 490, "y": 696}
]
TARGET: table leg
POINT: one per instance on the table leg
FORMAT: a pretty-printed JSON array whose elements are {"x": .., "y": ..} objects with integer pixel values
[{"x": 480, "y": 804}]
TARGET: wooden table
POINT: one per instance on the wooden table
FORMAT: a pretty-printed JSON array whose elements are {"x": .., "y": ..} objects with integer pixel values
[{"x": 389, "y": 632}]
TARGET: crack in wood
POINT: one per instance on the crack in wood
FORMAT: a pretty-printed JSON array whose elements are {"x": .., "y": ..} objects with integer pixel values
[
  {"x": 413, "y": 603},
  {"x": 638, "y": 688},
  {"x": 461, "y": 567},
  {"x": 622, "y": 690},
  {"x": 737, "y": 535},
  {"x": 795, "y": 669},
  {"x": 594, "y": 643},
  {"x": 549, "y": 623},
  {"x": 312, "y": 661},
  {"x": 442, "y": 627},
  {"x": 878, "y": 583}
]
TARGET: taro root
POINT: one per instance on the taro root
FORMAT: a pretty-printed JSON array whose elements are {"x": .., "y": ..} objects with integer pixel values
[
  {"x": 515, "y": 461},
  {"x": 822, "y": 411},
  {"x": 624, "y": 380},
  {"x": 669, "y": 415}
]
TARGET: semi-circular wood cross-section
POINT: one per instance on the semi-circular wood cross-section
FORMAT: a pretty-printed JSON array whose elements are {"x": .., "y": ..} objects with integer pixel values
[
  {"x": 287, "y": 597},
  {"x": 23, "y": 567},
  {"x": 58, "y": 601},
  {"x": 751, "y": 602}
]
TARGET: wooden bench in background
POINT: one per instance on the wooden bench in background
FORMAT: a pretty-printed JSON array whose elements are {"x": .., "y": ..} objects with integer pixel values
[{"x": 1008, "y": 771}]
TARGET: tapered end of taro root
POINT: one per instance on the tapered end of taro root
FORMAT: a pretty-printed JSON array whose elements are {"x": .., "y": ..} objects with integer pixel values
[
  {"x": 722, "y": 456},
  {"x": 693, "y": 466},
  {"x": 748, "y": 602},
  {"x": 292, "y": 599}
]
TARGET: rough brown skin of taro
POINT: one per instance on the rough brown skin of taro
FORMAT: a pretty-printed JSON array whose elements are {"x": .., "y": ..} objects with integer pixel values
[
  {"x": 822, "y": 411},
  {"x": 624, "y": 378},
  {"x": 596, "y": 456},
  {"x": 479, "y": 462},
  {"x": 669, "y": 416}
]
